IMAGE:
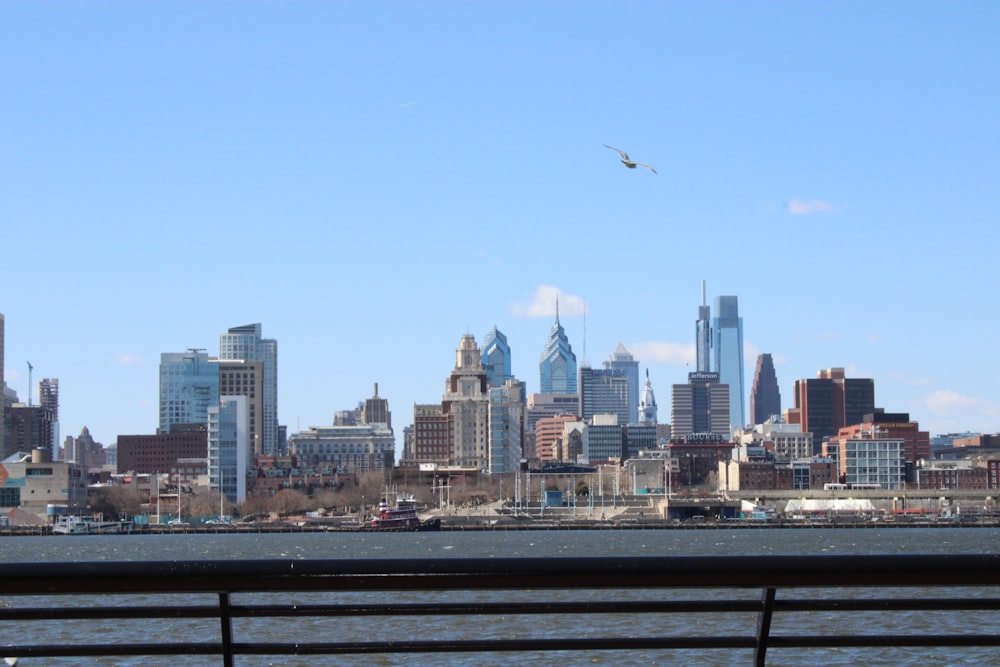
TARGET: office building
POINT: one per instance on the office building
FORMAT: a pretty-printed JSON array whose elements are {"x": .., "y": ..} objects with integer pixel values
[
  {"x": 431, "y": 436},
  {"x": 548, "y": 435},
  {"x": 246, "y": 378},
  {"x": 727, "y": 346},
  {"x": 622, "y": 360},
  {"x": 151, "y": 454},
  {"x": 865, "y": 457},
  {"x": 765, "y": 397},
  {"x": 496, "y": 358},
  {"x": 466, "y": 403},
  {"x": 48, "y": 398},
  {"x": 703, "y": 335},
  {"x": 604, "y": 391},
  {"x": 829, "y": 402},
  {"x": 189, "y": 386},
  {"x": 557, "y": 368},
  {"x": 506, "y": 426},
  {"x": 32, "y": 484},
  {"x": 245, "y": 343},
  {"x": 28, "y": 428},
  {"x": 359, "y": 441},
  {"x": 700, "y": 406},
  {"x": 229, "y": 447}
]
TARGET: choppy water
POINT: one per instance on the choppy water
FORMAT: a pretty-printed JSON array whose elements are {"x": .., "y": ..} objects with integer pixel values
[{"x": 527, "y": 544}]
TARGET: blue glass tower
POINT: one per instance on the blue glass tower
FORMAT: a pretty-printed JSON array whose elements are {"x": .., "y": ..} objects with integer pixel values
[
  {"x": 727, "y": 328},
  {"x": 557, "y": 369},
  {"x": 703, "y": 335},
  {"x": 622, "y": 360},
  {"x": 496, "y": 358},
  {"x": 189, "y": 386}
]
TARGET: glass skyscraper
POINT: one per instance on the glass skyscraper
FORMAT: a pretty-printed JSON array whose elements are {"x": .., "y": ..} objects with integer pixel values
[
  {"x": 703, "y": 335},
  {"x": 727, "y": 344},
  {"x": 622, "y": 360},
  {"x": 189, "y": 386},
  {"x": 496, "y": 358},
  {"x": 557, "y": 368}
]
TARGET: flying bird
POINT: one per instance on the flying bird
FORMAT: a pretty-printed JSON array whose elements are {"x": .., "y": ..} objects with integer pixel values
[{"x": 629, "y": 162}]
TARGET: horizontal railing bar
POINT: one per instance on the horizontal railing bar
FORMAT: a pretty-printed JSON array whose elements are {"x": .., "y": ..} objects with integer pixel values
[
  {"x": 505, "y": 645},
  {"x": 496, "y": 573},
  {"x": 507, "y": 608}
]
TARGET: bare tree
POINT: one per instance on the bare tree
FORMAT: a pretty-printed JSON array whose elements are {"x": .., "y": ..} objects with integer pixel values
[{"x": 115, "y": 500}]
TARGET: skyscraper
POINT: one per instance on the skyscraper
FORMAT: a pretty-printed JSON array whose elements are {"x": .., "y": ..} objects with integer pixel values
[
  {"x": 228, "y": 447},
  {"x": 604, "y": 391},
  {"x": 765, "y": 398},
  {"x": 506, "y": 424},
  {"x": 496, "y": 358},
  {"x": 727, "y": 329},
  {"x": 622, "y": 360},
  {"x": 703, "y": 335},
  {"x": 557, "y": 368},
  {"x": 48, "y": 398},
  {"x": 245, "y": 343},
  {"x": 832, "y": 401},
  {"x": 466, "y": 404},
  {"x": 700, "y": 406},
  {"x": 189, "y": 386}
]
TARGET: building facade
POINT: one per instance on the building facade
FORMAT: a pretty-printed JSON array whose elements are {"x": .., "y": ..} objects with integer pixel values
[
  {"x": 229, "y": 447},
  {"x": 239, "y": 377},
  {"x": 830, "y": 402},
  {"x": 466, "y": 403},
  {"x": 48, "y": 398},
  {"x": 557, "y": 367},
  {"x": 647, "y": 403},
  {"x": 703, "y": 335},
  {"x": 245, "y": 343},
  {"x": 496, "y": 358},
  {"x": 605, "y": 391},
  {"x": 727, "y": 346},
  {"x": 765, "y": 397},
  {"x": 189, "y": 386},
  {"x": 621, "y": 360},
  {"x": 151, "y": 454},
  {"x": 700, "y": 406},
  {"x": 506, "y": 426}
]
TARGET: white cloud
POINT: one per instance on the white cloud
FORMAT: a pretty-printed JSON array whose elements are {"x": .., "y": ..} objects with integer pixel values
[
  {"x": 128, "y": 359},
  {"x": 946, "y": 402},
  {"x": 798, "y": 206},
  {"x": 671, "y": 353},
  {"x": 543, "y": 304}
]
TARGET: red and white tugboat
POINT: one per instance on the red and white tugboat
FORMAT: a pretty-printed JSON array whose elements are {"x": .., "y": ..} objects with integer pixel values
[{"x": 401, "y": 516}]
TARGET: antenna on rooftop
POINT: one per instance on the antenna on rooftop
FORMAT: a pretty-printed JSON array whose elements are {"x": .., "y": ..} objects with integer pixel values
[{"x": 30, "y": 368}]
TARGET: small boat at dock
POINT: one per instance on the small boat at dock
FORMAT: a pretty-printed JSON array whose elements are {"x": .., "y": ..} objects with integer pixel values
[
  {"x": 68, "y": 524},
  {"x": 401, "y": 516}
]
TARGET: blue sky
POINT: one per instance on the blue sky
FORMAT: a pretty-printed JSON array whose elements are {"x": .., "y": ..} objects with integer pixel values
[{"x": 371, "y": 181}]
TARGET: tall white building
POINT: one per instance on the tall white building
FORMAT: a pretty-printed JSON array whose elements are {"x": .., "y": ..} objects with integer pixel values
[
  {"x": 466, "y": 404},
  {"x": 229, "y": 447},
  {"x": 245, "y": 343}
]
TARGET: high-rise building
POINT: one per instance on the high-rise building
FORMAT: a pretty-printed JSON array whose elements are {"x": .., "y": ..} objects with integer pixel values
[
  {"x": 245, "y": 343},
  {"x": 604, "y": 391},
  {"x": 189, "y": 386},
  {"x": 159, "y": 453},
  {"x": 622, "y": 360},
  {"x": 557, "y": 368},
  {"x": 229, "y": 447},
  {"x": 466, "y": 403},
  {"x": 647, "y": 404},
  {"x": 831, "y": 401},
  {"x": 48, "y": 398},
  {"x": 431, "y": 435},
  {"x": 727, "y": 344},
  {"x": 28, "y": 428},
  {"x": 703, "y": 335},
  {"x": 376, "y": 410},
  {"x": 246, "y": 378},
  {"x": 699, "y": 407},
  {"x": 3, "y": 397},
  {"x": 496, "y": 358},
  {"x": 765, "y": 398},
  {"x": 506, "y": 425}
]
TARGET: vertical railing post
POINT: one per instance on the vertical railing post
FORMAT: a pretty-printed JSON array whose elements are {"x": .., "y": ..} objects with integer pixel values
[
  {"x": 764, "y": 626},
  {"x": 227, "y": 630}
]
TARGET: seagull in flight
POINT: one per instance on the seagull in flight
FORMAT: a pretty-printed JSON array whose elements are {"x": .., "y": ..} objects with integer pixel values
[{"x": 629, "y": 162}]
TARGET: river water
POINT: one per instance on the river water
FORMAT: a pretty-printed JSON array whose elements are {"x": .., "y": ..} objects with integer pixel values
[{"x": 528, "y": 544}]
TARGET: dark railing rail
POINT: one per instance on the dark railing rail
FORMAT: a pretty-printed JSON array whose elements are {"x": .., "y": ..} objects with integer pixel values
[{"x": 101, "y": 592}]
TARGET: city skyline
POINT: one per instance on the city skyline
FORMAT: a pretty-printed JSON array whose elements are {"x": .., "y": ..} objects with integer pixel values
[{"x": 390, "y": 178}]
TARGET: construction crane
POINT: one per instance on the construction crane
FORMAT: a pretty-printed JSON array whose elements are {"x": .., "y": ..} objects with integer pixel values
[{"x": 30, "y": 368}]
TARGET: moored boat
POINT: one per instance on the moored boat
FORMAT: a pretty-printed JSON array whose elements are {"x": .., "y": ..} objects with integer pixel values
[
  {"x": 85, "y": 525},
  {"x": 401, "y": 516}
]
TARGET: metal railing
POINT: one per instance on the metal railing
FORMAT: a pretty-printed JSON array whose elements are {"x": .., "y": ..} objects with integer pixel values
[{"x": 101, "y": 591}]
